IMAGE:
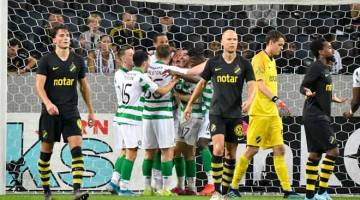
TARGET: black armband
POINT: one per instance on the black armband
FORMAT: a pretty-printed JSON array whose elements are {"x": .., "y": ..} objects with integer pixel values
[{"x": 274, "y": 99}]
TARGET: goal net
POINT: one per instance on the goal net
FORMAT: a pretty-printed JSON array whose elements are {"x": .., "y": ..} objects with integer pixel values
[{"x": 187, "y": 24}]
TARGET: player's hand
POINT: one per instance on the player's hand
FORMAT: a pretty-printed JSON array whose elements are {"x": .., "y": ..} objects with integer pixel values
[
  {"x": 175, "y": 79},
  {"x": 309, "y": 93},
  {"x": 337, "y": 99},
  {"x": 284, "y": 110},
  {"x": 91, "y": 120},
  {"x": 246, "y": 106},
  {"x": 52, "y": 109},
  {"x": 187, "y": 112},
  {"x": 348, "y": 114}
]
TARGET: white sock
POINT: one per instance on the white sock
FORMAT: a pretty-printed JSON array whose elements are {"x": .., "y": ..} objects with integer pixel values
[
  {"x": 157, "y": 179},
  {"x": 191, "y": 183},
  {"x": 209, "y": 178},
  {"x": 147, "y": 182},
  {"x": 181, "y": 183},
  {"x": 166, "y": 182},
  {"x": 124, "y": 184},
  {"x": 115, "y": 177}
]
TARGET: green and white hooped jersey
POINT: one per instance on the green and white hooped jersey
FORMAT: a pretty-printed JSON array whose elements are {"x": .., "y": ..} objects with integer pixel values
[
  {"x": 130, "y": 90},
  {"x": 119, "y": 75},
  {"x": 207, "y": 96},
  {"x": 187, "y": 88},
  {"x": 158, "y": 107}
]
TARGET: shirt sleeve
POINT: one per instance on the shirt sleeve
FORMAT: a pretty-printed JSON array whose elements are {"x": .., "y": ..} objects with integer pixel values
[
  {"x": 43, "y": 66},
  {"x": 83, "y": 69},
  {"x": 258, "y": 68},
  {"x": 207, "y": 73},
  {"x": 147, "y": 84},
  {"x": 356, "y": 78},
  {"x": 249, "y": 73},
  {"x": 117, "y": 84}
]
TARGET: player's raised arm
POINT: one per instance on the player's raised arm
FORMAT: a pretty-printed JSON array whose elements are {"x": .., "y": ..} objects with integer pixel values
[
  {"x": 194, "y": 96},
  {"x": 166, "y": 89},
  {"x": 196, "y": 70}
]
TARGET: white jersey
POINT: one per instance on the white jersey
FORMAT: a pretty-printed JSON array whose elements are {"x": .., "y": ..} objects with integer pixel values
[
  {"x": 130, "y": 92},
  {"x": 119, "y": 75},
  {"x": 356, "y": 78},
  {"x": 157, "y": 106}
]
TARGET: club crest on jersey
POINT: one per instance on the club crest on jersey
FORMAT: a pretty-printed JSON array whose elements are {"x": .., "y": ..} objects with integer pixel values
[
  {"x": 72, "y": 68},
  {"x": 237, "y": 70}
]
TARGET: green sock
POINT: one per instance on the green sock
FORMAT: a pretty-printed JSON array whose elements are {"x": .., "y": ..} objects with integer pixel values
[
  {"x": 118, "y": 163},
  {"x": 206, "y": 159},
  {"x": 126, "y": 169},
  {"x": 190, "y": 168},
  {"x": 146, "y": 167},
  {"x": 166, "y": 168},
  {"x": 179, "y": 166},
  {"x": 157, "y": 161}
]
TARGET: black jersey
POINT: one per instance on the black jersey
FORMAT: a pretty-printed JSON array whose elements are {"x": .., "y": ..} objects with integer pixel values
[
  {"x": 61, "y": 81},
  {"x": 228, "y": 81},
  {"x": 318, "y": 79}
]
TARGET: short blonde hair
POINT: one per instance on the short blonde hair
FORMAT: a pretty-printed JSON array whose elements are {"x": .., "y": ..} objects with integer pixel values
[{"x": 93, "y": 17}]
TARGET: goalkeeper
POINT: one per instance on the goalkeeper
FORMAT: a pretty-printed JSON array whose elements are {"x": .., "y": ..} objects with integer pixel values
[{"x": 265, "y": 125}]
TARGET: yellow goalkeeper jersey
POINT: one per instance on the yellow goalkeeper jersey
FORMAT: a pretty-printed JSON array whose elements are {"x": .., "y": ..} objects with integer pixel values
[{"x": 264, "y": 69}]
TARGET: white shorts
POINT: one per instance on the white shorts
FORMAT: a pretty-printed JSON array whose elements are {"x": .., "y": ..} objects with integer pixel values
[
  {"x": 188, "y": 131},
  {"x": 205, "y": 128},
  {"x": 132, "y": 135},
  {"x": 119, "y": 137},
  {"x": 158, "y": 134}
]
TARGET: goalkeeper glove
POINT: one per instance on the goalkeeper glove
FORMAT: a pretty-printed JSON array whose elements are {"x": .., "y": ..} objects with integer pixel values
[{"x": 284, "y": 110}]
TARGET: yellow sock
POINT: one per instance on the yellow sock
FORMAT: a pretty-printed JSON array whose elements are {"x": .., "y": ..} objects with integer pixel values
[
  {"x": 240, "y": 170},
  {"x": 327, "y": 168},
  {"x": 282, "y": 172},
  {"x": 217, "y": 172},
  {"x": 312, "y": 169},
  {"x": 228, "y": 172}
]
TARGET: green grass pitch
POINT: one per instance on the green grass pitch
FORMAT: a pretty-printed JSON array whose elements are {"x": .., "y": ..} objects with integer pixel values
[{"x": 101, "y": 197}]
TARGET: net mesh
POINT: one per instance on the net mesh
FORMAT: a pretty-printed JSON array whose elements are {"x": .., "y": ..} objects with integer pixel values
[{"x": 198, "y": 25}]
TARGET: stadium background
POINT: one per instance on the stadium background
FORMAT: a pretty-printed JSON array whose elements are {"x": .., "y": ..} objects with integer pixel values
[{"x": 198, "y": 25}]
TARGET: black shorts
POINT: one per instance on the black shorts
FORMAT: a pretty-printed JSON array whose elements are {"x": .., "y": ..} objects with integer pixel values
[
  {"x": 52, "y": 127},
  {"x": 319, "y": 134},
  {"x": 230, "y": 127}
]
